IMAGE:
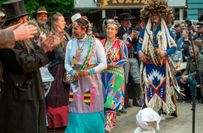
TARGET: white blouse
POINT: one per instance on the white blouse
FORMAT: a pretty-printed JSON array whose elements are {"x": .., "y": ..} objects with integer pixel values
[{"x": 98, "y": 58}]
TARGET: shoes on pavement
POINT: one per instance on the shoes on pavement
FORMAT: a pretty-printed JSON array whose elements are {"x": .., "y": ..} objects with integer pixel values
[
  {"x": 137, "y": 103},
  {"x": 196, "y": 102},
  {"x": 163, "y": 117},
  {"x": 200, "y": 100},
  {"x": 171, "y": 116},
  {"x": 107, "y": 130},
  {"x": 140, "y": 102},
  {"x": 129, "y": 105},
  {"x": 118, "y": 113},
  {"x": 123, "y": 111},
  {"x": 175, "y": 114}
]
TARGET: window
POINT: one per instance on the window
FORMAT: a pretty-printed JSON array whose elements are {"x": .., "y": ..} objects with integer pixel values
[{"x": 176, "y": 14}]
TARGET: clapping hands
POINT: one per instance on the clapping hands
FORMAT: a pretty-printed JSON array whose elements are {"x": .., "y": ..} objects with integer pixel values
[
  {"x": 23, "y": 31},
  {"x": 50, "y": 42}
]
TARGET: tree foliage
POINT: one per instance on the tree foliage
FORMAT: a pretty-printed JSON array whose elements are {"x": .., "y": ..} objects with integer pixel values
[{"x": 52, "y": 6}]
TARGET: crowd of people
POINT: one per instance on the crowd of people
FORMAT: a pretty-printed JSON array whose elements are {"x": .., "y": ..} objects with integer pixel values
[{"x": 57, "y": 70}]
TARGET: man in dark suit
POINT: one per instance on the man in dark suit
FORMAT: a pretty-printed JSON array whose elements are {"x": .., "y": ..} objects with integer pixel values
[
  {"x": 123, "y": 32},
  {"x": 126, "y": 27},
  {"x": 126, "y": 33},
  {"x": 132, "y": 73},
  {"x": 22, "y": 98}
]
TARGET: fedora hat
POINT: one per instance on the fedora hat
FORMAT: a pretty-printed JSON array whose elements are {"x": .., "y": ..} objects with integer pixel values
[
  {"x": 67, "y": 15},
  {"x": 126, "y": 16},
  {"x": 200, "y": 18},
  {"x": 40, "y": 10},
  {"x": 14, "y": 9}
]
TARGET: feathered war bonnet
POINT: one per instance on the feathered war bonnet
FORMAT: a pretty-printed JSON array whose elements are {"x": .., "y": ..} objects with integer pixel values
[{"x": 159, "y": 7}]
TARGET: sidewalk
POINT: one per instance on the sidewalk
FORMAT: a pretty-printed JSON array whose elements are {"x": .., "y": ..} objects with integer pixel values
[{"x": 182, "y": 124}]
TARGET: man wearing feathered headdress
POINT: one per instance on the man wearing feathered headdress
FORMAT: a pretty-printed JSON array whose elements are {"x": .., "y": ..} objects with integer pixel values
[{"x": 155, "y": 45}]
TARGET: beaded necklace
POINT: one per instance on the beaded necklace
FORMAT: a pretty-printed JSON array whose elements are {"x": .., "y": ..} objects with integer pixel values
[
  {"x": 79, "y": 50},
  {"x": 89, "y": 54},
  {"x": 82, "y": 44}
]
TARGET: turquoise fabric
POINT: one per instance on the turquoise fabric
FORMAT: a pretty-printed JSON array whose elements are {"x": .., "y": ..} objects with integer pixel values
[{"x": 85, "y": 123}]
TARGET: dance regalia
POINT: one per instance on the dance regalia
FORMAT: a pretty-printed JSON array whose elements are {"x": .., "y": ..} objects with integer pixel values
[
  {"x": 113, "y": 77},
  {"x": 86, "y": 107},
  {"x": 113, "y": 80},
  {"x": 158, "y": 73}
]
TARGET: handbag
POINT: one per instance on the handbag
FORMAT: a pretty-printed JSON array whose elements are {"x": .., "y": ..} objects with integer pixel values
[{"x": 67, "y": 78}]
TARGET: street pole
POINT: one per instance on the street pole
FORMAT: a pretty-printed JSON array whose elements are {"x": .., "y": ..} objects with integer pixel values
[
  {"x": 198, "y": 75},
  {"x": 193, "y": 110}
]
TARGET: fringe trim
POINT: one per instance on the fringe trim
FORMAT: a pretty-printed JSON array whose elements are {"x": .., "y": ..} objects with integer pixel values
[
  {"x": 157, "y": 104},
  {"x": 172, "y": 86}
]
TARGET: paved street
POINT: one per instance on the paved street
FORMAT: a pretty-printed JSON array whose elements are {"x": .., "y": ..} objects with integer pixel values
[{"x": 182, "y": 124}]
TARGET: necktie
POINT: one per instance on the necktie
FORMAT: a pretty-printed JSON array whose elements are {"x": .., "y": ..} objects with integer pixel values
[{"x": 126, "y": 30}]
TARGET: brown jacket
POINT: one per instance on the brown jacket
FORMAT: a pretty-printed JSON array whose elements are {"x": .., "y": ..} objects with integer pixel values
[
  {"x": 6, "y": 39},
  {"x": 22, "y": 99}
]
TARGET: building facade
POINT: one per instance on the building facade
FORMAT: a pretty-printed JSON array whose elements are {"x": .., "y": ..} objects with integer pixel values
[
  {"x": 194, "y": 9},
  {"x": 179, "y": 8},
  {"x": 110, "y": 8}
]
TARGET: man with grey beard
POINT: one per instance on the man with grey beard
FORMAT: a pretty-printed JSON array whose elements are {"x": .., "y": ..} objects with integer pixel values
[{"x": 40, "y": 21}]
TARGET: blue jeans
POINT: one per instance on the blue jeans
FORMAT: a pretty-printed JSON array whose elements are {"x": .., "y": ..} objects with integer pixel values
[{"x": 192, "y": 84}]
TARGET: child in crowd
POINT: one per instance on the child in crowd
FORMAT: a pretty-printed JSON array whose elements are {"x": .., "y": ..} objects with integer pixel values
[{"x": 147, "y": 121}]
